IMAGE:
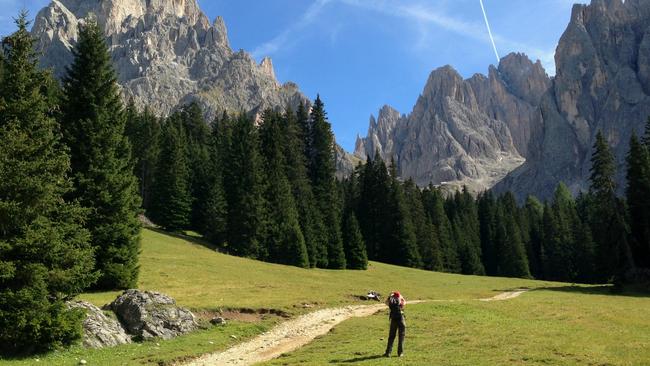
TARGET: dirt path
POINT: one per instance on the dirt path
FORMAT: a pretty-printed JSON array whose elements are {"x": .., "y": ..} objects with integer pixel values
[{"x": 295, "y": 333}]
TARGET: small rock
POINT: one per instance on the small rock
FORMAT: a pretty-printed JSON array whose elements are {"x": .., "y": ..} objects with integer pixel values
[
  {"x": 218, "y": 321},
  {"x": 211, "y": 342},
  {"x": 233, "y": 336},
  {"x": 83, "y": 362}
]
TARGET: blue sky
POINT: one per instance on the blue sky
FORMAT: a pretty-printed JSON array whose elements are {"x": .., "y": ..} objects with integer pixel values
[{"x": 362, "y": 54}]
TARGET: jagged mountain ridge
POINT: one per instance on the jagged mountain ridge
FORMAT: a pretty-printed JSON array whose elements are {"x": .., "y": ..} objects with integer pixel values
[
  {"x": 463, "y": 132},
  {"x": 168, "y": 54},
  {"x": 602, "y": 83}
]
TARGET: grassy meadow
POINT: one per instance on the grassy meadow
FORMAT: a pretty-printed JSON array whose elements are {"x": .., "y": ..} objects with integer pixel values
[{"x": 552, "y": 324}]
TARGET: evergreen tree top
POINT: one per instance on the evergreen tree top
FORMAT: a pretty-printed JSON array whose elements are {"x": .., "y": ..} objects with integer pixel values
[{"x": 603, "y": 168}]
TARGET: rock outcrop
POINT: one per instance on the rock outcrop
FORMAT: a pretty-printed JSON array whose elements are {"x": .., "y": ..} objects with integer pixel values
[
  {"x": 602, "y": 83},
  {"x": 148, "y": 314},
  {"x": 462, "y": 132},
  {"x": 100, "y": 330},
  {"x": 166, "y": 54}
]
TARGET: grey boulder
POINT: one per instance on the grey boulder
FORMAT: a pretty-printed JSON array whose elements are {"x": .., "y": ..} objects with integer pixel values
[
  {"x": 148, "y": 314},
  {"x": 100, "y": 330}
]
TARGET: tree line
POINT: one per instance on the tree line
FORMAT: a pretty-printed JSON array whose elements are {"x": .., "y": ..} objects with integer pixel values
[
  {"x": 596, "y": 237},
  {"x": 264, "y": 190}
]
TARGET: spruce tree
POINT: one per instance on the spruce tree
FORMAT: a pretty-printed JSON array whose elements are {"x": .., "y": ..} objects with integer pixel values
[
  {"x": 646, "y": 134},
  {"x": 607, "y": 216},
  {"x": 322, "y": 171},
  {"x": 425, "y": 233},
  {"x": 215, "y": 210},
  {"x": 93, "y": 125},
  {"x": 172, "y": 204},
  {"x": 144, "y": 130},
  {"x": 487, "y": 228},
  {"x": 511, "y": 254},
  {"x": 45, "y": 255},
  {"x": 284, "y": 238},
  {"x": 638, "y": 200},
  {"x": 534, "y": 212},
  {"x": 355, "y": 249},
  {"x": 310, "y": 219},
  {"x": 244, "y": 190},
  {"x": 434, "y": 203}
]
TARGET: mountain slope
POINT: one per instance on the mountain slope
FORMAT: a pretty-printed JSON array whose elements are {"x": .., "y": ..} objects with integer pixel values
[
  {"x": 463, "y": 132},
  {"x": 602, "y": 83}
]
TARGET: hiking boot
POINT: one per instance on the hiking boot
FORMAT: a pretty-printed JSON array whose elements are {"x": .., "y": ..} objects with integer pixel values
[{"x": 386, "y": 354}]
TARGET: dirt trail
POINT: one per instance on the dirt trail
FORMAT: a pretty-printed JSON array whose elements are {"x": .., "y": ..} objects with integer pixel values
[{"x": 295, "y": 333}]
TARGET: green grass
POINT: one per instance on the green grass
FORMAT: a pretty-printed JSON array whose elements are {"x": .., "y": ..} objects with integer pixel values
[
  {"x": 545, "y": 327},
  {"x": 542, "y": 326},
  {"x": 200, "y": 278}
]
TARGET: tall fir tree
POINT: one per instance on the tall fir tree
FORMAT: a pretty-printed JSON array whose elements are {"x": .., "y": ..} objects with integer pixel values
[
  {"x": 355, "y": 248},
  {"x": 144, "y": 131},
  {"x": 244, "y": 190},
  {"x": 487, "y": 228},
  {"x": 607, "y": 215},
  {"x": 425, "y": 233},
  {"x": 45, "y": 255},
  {"x": 310, "y": 219},
  {"x": 322, "y": 171},
  {"x": 172, "y": 205},
  {"x": 93, "y": 125},
  {"x": 434, "y": 204},
  {"x": 534, "y": 213},
  {"x": 638, "y": 200},
  {"x": 511, "y": 254},
  {"x": 283, "y": 236}
]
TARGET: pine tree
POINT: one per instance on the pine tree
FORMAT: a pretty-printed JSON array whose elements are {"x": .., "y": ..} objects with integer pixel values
[
  {"x": 534, "y": 212},
  {"x": 284, "y": 238},
  {"x": 93, "y": 125},
  {"x": 296, "y": 169},
  {"x": 400, "y": 246},
  {"x": 638, "y": 200},
  {"x": 646, "y": 134},
  {"x": 45, "y": 255},
  {"x": 244, "y": 190},
  {"x": 434, "y": 203},
  {"x": 511, "y": 255},
  {"x": 201, "y": 169},
  {"x": 487, "y": 228},
  {"x": 144, "y": 130},
  {"x": 425, "y": 233},
  {"x": 322, "y": 171},
  {"x": 172, "y": 205},
  {"x": 355, "y": 248},
  {"x": 215, "y": 210},
  {"x": 606, "y": 217}
]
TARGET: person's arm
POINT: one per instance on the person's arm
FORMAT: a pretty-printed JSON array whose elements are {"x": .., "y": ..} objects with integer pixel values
[{"x": 402, "y": 302}]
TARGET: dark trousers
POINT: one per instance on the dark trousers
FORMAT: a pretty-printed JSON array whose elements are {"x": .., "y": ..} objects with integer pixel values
[{"x": 395, "y": 325}]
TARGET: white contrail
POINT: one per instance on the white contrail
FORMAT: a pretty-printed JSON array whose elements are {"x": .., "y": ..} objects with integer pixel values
[{"x": 487, "y": 24}]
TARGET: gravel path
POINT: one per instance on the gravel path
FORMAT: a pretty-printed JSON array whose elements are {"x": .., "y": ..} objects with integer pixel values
[{"x": 293, "y": 334}]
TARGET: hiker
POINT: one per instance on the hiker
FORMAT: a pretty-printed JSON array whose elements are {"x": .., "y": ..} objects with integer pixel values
[{"x": 396, "y": 305}]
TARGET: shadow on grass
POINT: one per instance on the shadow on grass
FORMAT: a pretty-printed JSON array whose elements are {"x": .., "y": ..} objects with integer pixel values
[
  {"x": 608, "y": 290},
  {"x": 191, "y": 238},
  {"x": 358, "y": 359}
]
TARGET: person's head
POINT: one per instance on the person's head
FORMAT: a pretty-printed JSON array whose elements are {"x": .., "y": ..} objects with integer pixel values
[{"x": 396, "y": 294}]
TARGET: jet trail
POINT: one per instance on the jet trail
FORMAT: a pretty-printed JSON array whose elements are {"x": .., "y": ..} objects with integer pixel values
[{"x": 487, "y": 24}]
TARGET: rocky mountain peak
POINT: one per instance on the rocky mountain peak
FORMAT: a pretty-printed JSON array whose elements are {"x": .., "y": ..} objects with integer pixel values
[
  {"x": 524, "y": 78},
  {"x": 267, "y": 67}
]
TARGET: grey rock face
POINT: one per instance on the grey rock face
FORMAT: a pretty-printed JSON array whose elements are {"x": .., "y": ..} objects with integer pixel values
[
  {"x": 460, "y": 132},
  {"x": 149, "y": 314},
  {"x": 166, "y": 54},
  {"x": 100, "y": 330},
  {"x": 602, "y": 83}
]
